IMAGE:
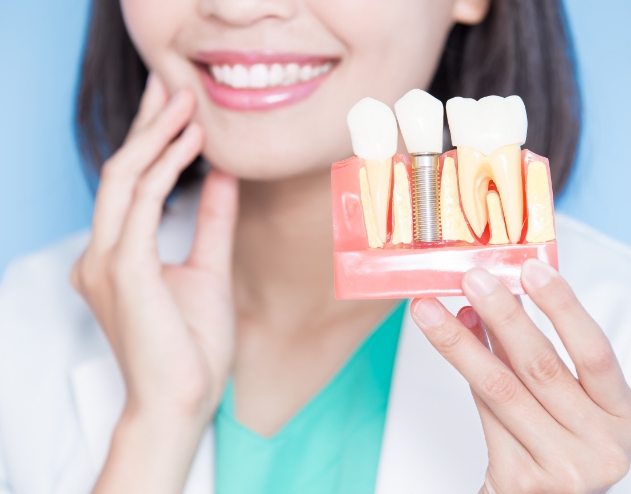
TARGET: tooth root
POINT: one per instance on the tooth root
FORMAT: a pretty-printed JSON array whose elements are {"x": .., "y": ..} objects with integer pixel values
[
  {"x": 496, "y": 220},
  {"x": 401, "y": 206},
  {"x": 379, "y": 176},
  {"x": 474, "y": 177},
  {"x": 507, "y": 170},
  {"x": 539, "y": 201},
  {"x": 454, "y": 226},
  {"x": 374, "y": 241},
  {"x": 476, "y": 170}
]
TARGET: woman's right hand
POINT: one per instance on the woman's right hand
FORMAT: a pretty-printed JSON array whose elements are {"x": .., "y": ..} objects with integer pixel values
[{"x": 171, "y": 327}]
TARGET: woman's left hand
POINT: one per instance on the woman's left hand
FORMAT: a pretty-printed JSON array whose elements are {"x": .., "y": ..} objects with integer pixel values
[{"x": 546, "y": 431}]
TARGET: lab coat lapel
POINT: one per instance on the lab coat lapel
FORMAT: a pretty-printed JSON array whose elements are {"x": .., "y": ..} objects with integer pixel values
[
  {"x": 433, "y": 439},
  {"x": 99, "y": 394}
]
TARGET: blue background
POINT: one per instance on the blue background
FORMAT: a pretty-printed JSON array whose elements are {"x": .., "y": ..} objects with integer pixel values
[{"x": 44, "y": 195}]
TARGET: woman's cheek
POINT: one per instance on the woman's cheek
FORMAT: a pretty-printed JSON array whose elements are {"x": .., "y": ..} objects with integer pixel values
[
  {"x": 402, "y": 37},
  {"x": 152, "y": 26}
]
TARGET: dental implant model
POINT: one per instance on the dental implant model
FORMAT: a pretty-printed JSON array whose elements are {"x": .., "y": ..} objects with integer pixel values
[{"x": 411, "y": 226}]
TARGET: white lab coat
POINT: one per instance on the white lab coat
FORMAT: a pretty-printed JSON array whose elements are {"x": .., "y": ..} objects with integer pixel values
[{"x": 61, "y": 391}]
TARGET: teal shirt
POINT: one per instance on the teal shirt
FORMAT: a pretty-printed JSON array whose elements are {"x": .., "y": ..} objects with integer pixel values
[{"x": 331, "y": 445}]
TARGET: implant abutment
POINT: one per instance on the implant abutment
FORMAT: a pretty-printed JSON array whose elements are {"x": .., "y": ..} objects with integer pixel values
[{"x": 426, "y": 197}]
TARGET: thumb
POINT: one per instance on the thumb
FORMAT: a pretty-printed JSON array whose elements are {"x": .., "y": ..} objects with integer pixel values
[{"x": 216, "y": 220}]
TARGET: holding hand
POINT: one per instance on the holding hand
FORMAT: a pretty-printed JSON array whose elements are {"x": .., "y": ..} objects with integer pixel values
[
  {"x": 546, "y": 431},
  {"x": 171, "y": 327}
]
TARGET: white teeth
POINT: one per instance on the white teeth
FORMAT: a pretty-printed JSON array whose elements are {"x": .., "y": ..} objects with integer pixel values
[
  {"x": 276, "y": 75},
  {"x": 260, "y": 76},
  {"x": 306, "y": 73},
  {"x": 226, "y": 74},
  {"x": 292, "y": 72},
  {"x": 373, "y": 130},
  {"x": 240, "y": 76},
  {"x": 420, "y": 117},
  {"x": 217, "y": 73},
  {"x": 487, "y": 124}
]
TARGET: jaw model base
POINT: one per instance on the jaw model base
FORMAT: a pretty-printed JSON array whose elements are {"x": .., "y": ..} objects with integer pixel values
[
  {"x": 431, "y": 272},
  {"x": 417, "y": 270}
]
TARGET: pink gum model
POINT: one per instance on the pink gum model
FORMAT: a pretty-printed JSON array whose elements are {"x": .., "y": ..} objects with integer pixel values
[{"x": 418, "y": 270}]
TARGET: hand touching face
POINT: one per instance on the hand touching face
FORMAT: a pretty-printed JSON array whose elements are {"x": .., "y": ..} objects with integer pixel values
[{"x": 372, "y": 47}]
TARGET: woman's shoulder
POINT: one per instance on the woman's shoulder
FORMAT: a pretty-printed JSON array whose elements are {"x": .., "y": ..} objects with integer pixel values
[
  {"x": 598, "y": 268},
  {"x": 590, "y": 260},
  {"x": 38, "y": 285},
  {"x": 46, "y": 331},
  {"x": 45, "y": 326}
]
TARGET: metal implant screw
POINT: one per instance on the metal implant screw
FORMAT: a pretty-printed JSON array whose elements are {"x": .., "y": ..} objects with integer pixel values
[{"x": 425, "y": 198}]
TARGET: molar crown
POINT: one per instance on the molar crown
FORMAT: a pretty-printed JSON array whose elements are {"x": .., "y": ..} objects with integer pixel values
[
  {"x": 373, "y": 129},
  {"x": 421, "y": 118},
  {"x": 487, "y": 124}
]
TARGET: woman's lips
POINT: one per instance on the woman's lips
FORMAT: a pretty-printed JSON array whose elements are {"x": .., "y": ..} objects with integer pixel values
[{"x": 261, "y": 81}]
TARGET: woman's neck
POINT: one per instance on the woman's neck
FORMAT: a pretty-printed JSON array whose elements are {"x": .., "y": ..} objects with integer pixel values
[
  {"x": 293, "y": 336},
  {"x": 284, "y": 249}
]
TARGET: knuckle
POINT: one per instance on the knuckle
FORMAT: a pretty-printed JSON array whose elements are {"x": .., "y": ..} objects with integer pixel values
[
  {"x": 564, "y": 298},
  {"x": 570, "y": 480},
  {"x": 599, "y": 359},
  {"x": 545, "y": 369},
  {"x": 614, "y": 464},
  {"x": 86, "y": 275},
  {"x": 147, "y": 190},
  {"x": 508, "y": 314},
  {"x": 500, "y": 387},
  {"x": 117, "y": 267},
  {"x": 450, "y": 341},
  {"x": 111, "y": 171}
]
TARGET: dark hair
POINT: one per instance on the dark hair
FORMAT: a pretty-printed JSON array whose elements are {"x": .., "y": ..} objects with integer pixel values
[{"x": 522, "y": 47}]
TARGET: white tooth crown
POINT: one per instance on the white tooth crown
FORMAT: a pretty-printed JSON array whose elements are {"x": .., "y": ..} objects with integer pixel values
[
  {"x": 420, "y": 117},
  {"x": 487, "y": 124},
  {"x": 373, "y": 129}
]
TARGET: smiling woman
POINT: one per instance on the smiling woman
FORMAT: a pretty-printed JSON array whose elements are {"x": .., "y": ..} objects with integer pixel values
[
  {"x": 503, "y": 47},
  {"x": 206, "y": 325}
]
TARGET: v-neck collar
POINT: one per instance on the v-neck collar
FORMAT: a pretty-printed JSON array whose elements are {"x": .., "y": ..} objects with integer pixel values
[{"x": 227, "y": 410}]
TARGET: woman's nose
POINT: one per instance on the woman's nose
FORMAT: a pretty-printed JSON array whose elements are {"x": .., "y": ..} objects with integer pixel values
[{"x": 242, "y": 13}]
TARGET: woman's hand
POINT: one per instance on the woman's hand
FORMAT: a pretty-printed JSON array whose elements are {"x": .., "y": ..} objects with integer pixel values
[
  {"x": 546, "y": 431},
  {"x": 171, "y": 327}
]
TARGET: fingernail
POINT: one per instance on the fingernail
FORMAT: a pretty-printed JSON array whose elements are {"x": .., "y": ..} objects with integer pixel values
[
  {"x": 537, "y": 274},
  {"x": 429, "y": 312},
  {"x": 468, "y": 317},
  {"x": 480, "y": 282}
]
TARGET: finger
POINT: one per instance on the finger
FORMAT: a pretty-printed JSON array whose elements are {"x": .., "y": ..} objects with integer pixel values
[
  {"x": 531, "y": 355},
  {"x": 500, "y": 442},
  {"x": 468, "y": 317},
  {"x": 216, "y": 219},
  {"x": 154, "y": 99},
  {"x": 121, "y": 174},
  {"x": 596, "y": 364},
  {"x": 141, "y": 225},
  {"x": 500, "y": 388}
]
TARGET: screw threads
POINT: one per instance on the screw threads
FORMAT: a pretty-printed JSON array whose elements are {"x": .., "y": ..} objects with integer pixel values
[{"x": 425, "y": 198}]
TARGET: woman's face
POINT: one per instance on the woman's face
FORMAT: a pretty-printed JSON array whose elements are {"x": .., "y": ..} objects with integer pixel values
[{"x": 276, "y": 78}]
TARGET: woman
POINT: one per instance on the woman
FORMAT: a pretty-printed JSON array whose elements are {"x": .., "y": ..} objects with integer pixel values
[{"x": 221, "y": 337}]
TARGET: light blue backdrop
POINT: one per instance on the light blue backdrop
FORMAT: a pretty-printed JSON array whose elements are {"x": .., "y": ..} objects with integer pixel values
[{"x": 43, "y": 193}]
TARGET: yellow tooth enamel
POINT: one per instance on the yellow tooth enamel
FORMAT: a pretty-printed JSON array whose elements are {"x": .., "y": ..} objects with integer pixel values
[
  {"x": 369, "y": 214},
  {"x": 379, "y": 175},
  {"x": 496, "y": 219},
  {"x": 401, "y": 206},
  {"x": 476, "y": 170},
  {"x": 454, "y": 226},
  {"x": 540, "y": 221}
]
